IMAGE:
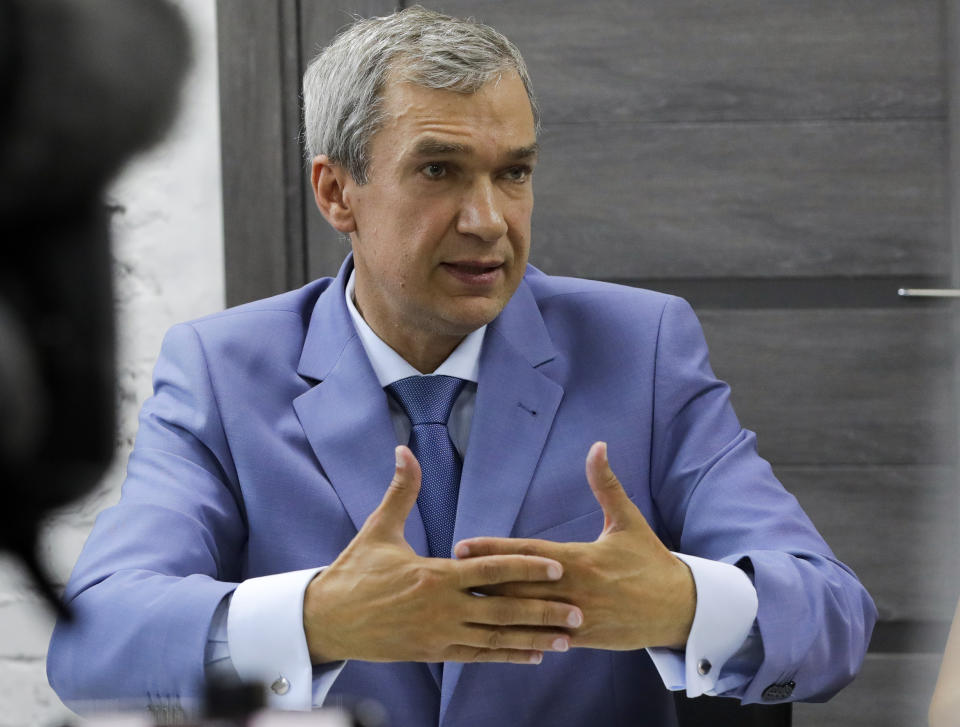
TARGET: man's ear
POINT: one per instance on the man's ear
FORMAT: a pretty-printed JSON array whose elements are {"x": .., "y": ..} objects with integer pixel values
[{"x": 329, "y": 182}]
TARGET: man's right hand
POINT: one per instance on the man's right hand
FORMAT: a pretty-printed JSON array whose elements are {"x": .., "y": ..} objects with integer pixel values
[{"x": 380, "y": 601}]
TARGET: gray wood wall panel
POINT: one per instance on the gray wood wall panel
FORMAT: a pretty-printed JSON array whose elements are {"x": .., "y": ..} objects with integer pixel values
[
  {"x": 745, "y": 200},
  {"x": 682, "y": 60},
  {"x": 319, "y": 23},
  {"x": 262, "y": 200},
  {"x": 843, "y": 386},
  {"x": 895, "y": 526},
  {"x": 789, "y": 199},
  {"x": 892, "y": 691}
]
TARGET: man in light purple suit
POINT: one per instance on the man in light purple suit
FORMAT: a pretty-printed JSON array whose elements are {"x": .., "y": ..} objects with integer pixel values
[{"x": 614, "y": 532}]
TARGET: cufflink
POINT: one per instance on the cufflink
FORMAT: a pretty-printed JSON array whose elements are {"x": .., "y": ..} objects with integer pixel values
[
  {"x": 281, "y": 686},
  {"x": 703, "y": 667},
  {"x": 775, "y": 692}
]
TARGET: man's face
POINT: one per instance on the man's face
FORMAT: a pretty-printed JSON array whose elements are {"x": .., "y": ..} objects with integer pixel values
[{"x": 442, "y": 228}]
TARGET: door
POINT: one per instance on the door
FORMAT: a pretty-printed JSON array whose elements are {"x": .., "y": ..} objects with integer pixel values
[{"x": 783, "y": 166}]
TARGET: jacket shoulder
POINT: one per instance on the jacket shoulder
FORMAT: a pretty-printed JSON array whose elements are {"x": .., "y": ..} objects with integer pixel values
[
  {"x": 557, "y": 293},
  {"x": 299, "y": 302},
  {"x": 270, "y": 327},
  {"x": 284, "y": 312}
]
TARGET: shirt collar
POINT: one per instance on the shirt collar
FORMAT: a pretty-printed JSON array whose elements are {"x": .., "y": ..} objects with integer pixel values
[{"x": 389, "y": 366}]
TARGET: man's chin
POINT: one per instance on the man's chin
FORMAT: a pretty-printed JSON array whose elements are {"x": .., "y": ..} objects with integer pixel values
[{"x": 473, "y": 315}]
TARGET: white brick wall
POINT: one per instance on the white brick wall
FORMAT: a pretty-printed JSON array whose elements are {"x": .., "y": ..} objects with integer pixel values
[{"x": 168, "y": 251}]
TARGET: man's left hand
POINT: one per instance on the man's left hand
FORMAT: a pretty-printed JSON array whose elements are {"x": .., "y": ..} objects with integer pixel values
[{"x": 633, "y": 592}]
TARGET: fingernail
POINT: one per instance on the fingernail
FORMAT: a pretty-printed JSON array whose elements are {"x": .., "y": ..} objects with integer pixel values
[
  {"x": 575, "y": 618},
  {"x": 560, "y": 644},
  {"x": 461, "y": 550},
  {"x": 536, "y": 658},
  {"x": 398, "y": 458},
  {"x": 554, "y": 571}
]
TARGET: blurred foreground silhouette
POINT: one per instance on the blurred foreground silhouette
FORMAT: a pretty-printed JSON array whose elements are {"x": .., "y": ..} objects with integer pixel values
[{"x": 84, "y": 84}]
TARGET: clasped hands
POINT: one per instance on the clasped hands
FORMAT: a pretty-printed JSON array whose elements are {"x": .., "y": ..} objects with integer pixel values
[{"x": 501, "y": 599}]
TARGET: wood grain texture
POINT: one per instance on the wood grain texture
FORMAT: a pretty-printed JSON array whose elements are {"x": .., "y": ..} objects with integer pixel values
[
  {"x": 743, "y": 200},
  {"x": 718, "y": 199},
  {"x": 252, "y": 100},
  {"x": 264, "y": 191},
  {"x": 835, "y": 387},
  {"x": 687, "y": 60},
  {"x": 896, "y": 527},
  {"x": 891, "y": 691},
  {"x": 321, "y": 21},
  {"x": 296, "y": 192},
  {"x": 319, "y": 24},
  {"x": 275, "y": 238}
]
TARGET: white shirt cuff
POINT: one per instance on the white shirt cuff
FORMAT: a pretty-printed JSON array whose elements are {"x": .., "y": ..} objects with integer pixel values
[
  {"x": 267, "y": 643},
  {"x": 726, "y": 610}
]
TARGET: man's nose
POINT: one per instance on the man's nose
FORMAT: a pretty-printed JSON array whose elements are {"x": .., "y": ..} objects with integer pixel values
[{"x": 481, "y": 214}]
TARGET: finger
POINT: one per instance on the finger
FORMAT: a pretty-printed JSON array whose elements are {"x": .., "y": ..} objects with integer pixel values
[
  {"x": 508, "y": 656},
  {"x": 540, "y": 591},
  {"x": 617, "y": 507},
  {"x": 493, "y": 569},
  {"x": 496, "y": 611},
  {"x": 473, "y": 547},
  {"x": 493, "y": 637},
  {"x": 400, "y": 497}
]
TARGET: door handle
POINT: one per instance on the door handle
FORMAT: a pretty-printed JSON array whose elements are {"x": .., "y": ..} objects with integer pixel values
[{"x": 929, "y": 293}]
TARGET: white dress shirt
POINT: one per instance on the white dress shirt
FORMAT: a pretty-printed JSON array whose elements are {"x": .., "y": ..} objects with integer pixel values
[{"x": 257, "y": 633}]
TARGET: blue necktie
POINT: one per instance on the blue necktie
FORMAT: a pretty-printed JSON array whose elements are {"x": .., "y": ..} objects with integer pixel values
[{"x": 427, "y": 401}]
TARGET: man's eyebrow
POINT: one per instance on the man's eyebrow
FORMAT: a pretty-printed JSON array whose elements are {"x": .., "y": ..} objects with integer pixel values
[
  {"x": 435, "y": 147},
  {"x": 430, "y": 147},
  {"x": 525, "y": 152}
]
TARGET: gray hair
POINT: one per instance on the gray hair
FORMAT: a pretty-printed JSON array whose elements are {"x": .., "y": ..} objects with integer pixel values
[{"x": 343, "y": 86}]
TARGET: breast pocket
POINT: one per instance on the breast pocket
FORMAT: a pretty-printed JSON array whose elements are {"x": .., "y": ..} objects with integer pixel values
[{"x": 580, "y": 528}]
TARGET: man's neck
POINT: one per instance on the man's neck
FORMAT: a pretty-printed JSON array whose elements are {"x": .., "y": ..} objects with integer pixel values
[
  {"x": 463, "y": 361},
  {"x": 424, "y": 352}
]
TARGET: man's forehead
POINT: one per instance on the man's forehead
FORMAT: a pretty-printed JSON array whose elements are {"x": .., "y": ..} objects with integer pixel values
[
  {"x": 497, "y": 117},
  {"x": 503, "y": 90}
]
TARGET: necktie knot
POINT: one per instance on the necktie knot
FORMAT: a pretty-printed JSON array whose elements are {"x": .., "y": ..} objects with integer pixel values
[{"x": 427, "y": 399}]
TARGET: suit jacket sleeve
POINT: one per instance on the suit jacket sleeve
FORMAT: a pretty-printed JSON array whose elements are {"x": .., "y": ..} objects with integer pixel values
[
  {"x": 156, "y": 565},
  {"x": 720, "y": 500}
]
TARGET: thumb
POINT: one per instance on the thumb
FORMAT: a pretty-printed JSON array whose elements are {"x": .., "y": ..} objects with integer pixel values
[
  {"x": 391, "y": 514},
  {"x": 618, "y": 510}
]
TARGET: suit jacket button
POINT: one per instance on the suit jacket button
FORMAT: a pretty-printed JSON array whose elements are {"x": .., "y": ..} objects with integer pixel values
[
  {"x": 703, "y": 667},
  {"x": 281, "y": 686}
]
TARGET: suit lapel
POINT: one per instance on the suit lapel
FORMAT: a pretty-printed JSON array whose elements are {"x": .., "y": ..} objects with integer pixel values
[
  {"x": 515, "y": 408},
  {"x": 345, "y": 414},
  {"x": 346, "y": 418}
]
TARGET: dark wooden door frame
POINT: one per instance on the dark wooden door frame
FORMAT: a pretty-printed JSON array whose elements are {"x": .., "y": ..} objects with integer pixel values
[{"x": 263, "y": 191}]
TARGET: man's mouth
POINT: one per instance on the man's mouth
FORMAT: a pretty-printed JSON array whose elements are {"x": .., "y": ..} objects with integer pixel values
[{"x": 475, "y": 272}]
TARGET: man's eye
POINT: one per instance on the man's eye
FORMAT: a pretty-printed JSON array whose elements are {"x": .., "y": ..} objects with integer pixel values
[
  {"x": 518, "y": 174},
  {"x": 435, "y": 170}
]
